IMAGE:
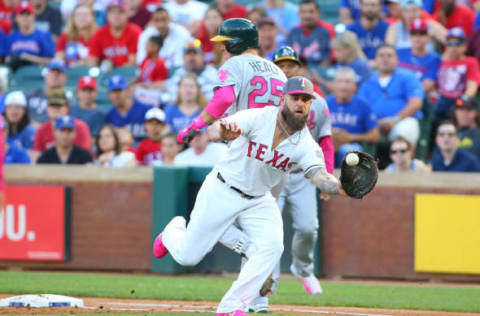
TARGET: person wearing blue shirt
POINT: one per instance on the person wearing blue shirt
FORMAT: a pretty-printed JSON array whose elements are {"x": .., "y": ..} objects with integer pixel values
[
  {"x": 349, "y": 11},
  {"x": 126, "y": 112},
  {"x": 20, "y": 131},
  {"x": 353, "y": 121},
  {"x": 448, "y": 157},
  {"x": 27, "y": 45},
  {"x": 15, "y": 154},
  {"x": 370, "y": 28},
  {"x": 395, "y": 95}
]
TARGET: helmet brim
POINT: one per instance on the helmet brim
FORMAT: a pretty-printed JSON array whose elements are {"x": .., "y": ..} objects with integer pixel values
[
  {"x": 287, "y": 58},
  {"x": 221, "y": 38}
]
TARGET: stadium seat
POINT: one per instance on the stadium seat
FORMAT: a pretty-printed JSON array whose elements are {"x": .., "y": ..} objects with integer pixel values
[
  {"x": 27, "y": 78},
  {"x": 102, "y": 99},
  {"x": 128, "y": 72},
  {"x": 74, "y": 73}
]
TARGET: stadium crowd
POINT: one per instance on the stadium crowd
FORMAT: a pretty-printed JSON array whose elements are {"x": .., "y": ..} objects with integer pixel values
[{"x": 117, "y": 79}]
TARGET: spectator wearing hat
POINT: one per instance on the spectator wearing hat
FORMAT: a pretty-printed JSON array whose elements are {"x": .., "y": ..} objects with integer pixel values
[
  {"x": 117, "y": 41},
  {"x": 137, "y": 13},
  {"x": 451, "y": 15},
  {"x": 109, "y": 150},
  {"x": 425, "y": 64},
  {"x": 28, "y": 45},
  {"x": 126, "y": 111},
  {"x": 150, "y": 149},
  {"x": 267, "y": 37},
  {"x": 395, "y": 96},
  {"x": 47, "y": 18},
  {"x": 467, "y": 121},
  {"x": 174, "y": 38},
  {"x": 208, "y": 29},
  {"x": 458, "y": 76},
  {"x": 73, "y": 43},
  {"x": 230, "y": 9},
  {"x": 403, "y": 158},
  {"x": 86, "y": 109},
  {"x": 188, "y": 13},
  {"x": 398, "y": 33},
  {"x": 448, "y": 157},
  {"x": 55, "y": 80},
  {"x": 20, "y": 131},
  {"x": 65, "y": 150},
  {"x": 45, "y": 137}
]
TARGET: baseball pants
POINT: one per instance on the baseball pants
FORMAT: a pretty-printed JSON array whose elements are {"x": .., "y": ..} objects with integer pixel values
[{"x": 216, "y": 208}]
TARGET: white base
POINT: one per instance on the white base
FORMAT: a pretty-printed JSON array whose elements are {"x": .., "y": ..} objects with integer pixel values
[{"x": 41, "y": 300}]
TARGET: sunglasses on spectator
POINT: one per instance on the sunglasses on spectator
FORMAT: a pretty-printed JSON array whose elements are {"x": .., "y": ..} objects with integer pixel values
[
  {"x": 398, "y": 151},
  {"x": 449, "y": 134},
  {"x": 454, "y": 42}
]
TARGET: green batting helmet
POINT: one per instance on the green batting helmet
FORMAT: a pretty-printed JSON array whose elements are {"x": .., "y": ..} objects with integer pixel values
[
  {"x": 238, "y": 35},
  {"x": 286, "y": 53}
]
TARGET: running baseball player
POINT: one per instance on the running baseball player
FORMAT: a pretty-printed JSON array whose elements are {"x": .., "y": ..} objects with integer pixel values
[
  {"x": 268, "y": 143},
  {"x": 245, "y": 80}
]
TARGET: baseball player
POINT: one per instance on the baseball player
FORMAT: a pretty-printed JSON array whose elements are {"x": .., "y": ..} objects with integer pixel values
[
  {"x": 245, "y": 80},
  {"x": 268, "y": 143}
]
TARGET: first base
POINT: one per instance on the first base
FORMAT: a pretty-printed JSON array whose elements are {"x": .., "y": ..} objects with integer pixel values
[{"x": 41, "y": 300}]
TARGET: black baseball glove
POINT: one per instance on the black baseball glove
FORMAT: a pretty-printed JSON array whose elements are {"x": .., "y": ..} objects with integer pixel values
[{"x": 359, "y": 180}]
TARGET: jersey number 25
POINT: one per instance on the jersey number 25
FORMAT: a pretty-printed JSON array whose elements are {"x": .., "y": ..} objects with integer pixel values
[{"x": 257, "y": 98}]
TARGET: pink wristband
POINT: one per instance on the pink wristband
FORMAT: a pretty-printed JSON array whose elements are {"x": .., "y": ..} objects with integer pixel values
[{"x": 198, "y": 123}]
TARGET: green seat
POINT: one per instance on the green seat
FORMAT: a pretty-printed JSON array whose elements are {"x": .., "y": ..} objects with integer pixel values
[
  {"x": 128, "y": 72},
  {"x": 28, "y": 78},
  {"x": 75, "y": 73},
  {"x": 102, "y": 99}
]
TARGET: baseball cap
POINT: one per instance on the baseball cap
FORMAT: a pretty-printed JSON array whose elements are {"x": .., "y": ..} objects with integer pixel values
[
  {"x": 468, "y": 105},
  {"x": 299, "y": 85},
  {"x": 193, "y": 46},
  {"x": 418, "y": 3},
  {"x": 87, "y": 82},
  {"x": 117, "y": 3},
  {"x": 117, "y": 83},
  {"x": 266, "y": 20},
  {"x": 65, "y": 122},
  {"x": 57, "y": 97},
  {"x": 418, "y": 25},
  {"x": 155, "y": 114},
  {"x": 57, "y": 64},
  {"x": 24, "y": 6},
  {"x": 17, "y": 98},
  {"x": 456, "y": 32}
]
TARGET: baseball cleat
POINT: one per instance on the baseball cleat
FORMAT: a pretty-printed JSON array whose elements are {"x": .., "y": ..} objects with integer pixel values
[
  {"x": 238, "y": 312},
  {"x": 159, "y": 249},
  {"x": 259, "y": 305},
  {"x": 310, "y": 283}
]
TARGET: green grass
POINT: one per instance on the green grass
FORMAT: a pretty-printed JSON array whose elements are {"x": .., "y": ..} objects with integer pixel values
[{"x": 425, "y": 297}]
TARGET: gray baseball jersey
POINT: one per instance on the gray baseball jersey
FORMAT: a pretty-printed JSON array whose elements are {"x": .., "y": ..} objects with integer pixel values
[
  {"x": 257, "y": 82},
  {"x": 319, "y": 122}
]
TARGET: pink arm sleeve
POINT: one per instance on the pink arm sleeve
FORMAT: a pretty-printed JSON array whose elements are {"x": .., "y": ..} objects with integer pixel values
[
  {"x": 222, "y": 99},
  {"x": 326, "y": 143}
]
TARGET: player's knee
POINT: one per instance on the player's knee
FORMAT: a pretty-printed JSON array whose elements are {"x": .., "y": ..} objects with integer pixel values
[{"x": 190, "y": 261}]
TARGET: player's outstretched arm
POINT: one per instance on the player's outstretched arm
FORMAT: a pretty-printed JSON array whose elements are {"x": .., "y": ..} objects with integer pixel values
[
  {"x": 222, "y": 130},
  {"x": 325, "y": 182}
]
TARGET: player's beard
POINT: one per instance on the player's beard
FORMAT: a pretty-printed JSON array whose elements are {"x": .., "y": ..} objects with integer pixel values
[{"x": 295, "y": 123}]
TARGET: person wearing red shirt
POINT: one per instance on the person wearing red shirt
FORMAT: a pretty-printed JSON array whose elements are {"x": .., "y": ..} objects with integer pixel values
[
  {"x": 116, "y": 41},
  {"x": 451, "y": 15},
  {"x": 152, "y": 69},
  {"x": 6, "y": 10},
  {"x": 208, "y": 29},
  {"x": 230, "y": 10},
  {"x": 149, "y": 149},
  {"x": 44, "y": 137}
]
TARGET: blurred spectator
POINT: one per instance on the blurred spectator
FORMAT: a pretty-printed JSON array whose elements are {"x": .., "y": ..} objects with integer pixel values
[
  {"x": 201, "y": 153},
  {"x": 125, "y": 137},
  {"x": 55, "y": 80},
  {"x": 65, "y": 151},
  {"x": 255, "y": 14},
  {"x": 393, "y": 11},
  {"x": 170, "y": 149},
  {"x": 402, "y": 156},
  {"x": 117, "y": 41},
  {"x": 20, "y": 131},
  {"x": 174, "y": 38},
  {"x": 86, "y": 109},
  {"x": 395, "y": 95},
  {"x": 451, "y": 15},
  {"x": 267, "y": 37},
  {"x": 47, "y": 18},
  {"x": 349, "y": 11},
  {"x": 72, "y": 45},
  {"x": 398, "y": 33},
  {"x": 28, "y": 45},
  {"x": 109, "y": 152},
  {"x": 188, "y": 13},
  {"x": 137, "y": 13},
  {"x": 229, "y": 9},
  {"x": 310, "y": 40},
  {"x": 208, "y": 29},
  {"x": 425, "y": 64},
  {"x": 448, "y": 157},
  {"x": 353, "y": 121},
  {"x": 14, "y": 154},
  {"x": 188, "y": 105},
  {"x": 99, "y": 7},
  {"x": 6, "y": 10},
  {"x": 467, "y": 119},
  {"x": 149, "y": 149},
  {"x": 285, "y": 15},
  {"x": 126, "y": 111},
  {"x": 458, "y": 76},
  {"x": 193, "y": 62},
  {"x": 44, "y": 138},
  {"x": 370, "y": 28},
  {"x": 473, "y": 47}
]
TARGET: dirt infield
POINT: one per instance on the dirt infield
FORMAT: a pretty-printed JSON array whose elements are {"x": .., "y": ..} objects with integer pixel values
[{"x": 112, "y": 305}]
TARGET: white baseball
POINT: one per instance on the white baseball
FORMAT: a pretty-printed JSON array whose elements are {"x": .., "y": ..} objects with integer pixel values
[{"x": 352, "y": 159}]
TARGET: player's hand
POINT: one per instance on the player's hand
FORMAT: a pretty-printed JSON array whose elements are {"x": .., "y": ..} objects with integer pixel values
[
  {"x": 229, "y": 130},
  {"x": 186, "y": 135}
]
